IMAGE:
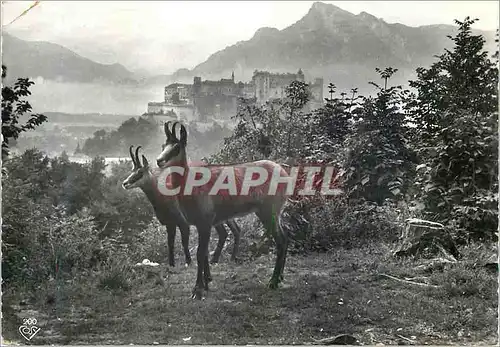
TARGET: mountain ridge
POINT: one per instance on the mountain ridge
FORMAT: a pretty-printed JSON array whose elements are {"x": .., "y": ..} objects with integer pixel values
[
  {"x": 52, "y": 61},
  {"x": 328, "y": 38}
]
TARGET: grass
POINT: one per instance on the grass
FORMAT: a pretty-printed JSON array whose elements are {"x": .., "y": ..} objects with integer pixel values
[{"x": 323, "y": 295}]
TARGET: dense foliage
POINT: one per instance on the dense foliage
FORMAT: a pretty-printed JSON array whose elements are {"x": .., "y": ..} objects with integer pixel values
[
  {"x": 14, "y": 108},
  {"x": 59, "y": 215},
  {"x": 144, "y": 131},
  {"x": 434, "y": 146},
  {"x": 456, "y": 109}
]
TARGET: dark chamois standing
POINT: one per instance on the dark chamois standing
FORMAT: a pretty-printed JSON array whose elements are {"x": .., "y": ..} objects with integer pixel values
[
  {"x": 221, "y": 230},
  {"x": 204, "y": 210},
  {"x": 167, "y": 211}
]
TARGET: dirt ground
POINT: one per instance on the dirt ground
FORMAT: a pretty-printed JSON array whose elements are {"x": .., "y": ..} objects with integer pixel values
[{"x": 323, "y": 295}]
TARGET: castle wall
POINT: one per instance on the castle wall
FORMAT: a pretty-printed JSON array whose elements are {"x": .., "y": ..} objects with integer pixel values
[
  {"x": 185, "y": 91},
  {"x": 273, "y": 85},
  {"x": 216, "y": 106}
]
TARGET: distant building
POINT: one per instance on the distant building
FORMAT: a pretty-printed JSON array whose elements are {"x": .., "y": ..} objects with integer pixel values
[
  {"x": 178, "y": 93},
  {"x": 272, "y": 85},
  {"x": 219, "y": 99}
]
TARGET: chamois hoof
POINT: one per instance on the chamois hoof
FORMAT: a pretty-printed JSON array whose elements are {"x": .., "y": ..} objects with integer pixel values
[
  {"x": 273, "y": 284},
  {"x": 197, "y": 293}
]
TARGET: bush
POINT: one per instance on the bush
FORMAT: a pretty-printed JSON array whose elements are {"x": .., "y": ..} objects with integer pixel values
[
  {"x": 151, "y": 243},
  {"x": 337, "y": 224},
  {"x": 116, "y": 274},
  {"x": 61, "y": 219}
]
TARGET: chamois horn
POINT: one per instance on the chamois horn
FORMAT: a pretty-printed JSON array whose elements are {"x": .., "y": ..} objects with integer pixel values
[
  {"x": 183, "y": 133},
  {"x": 137, "y": 156},
  {"x": 183, "y": 138},
  {"x": 132, "y": 157}
]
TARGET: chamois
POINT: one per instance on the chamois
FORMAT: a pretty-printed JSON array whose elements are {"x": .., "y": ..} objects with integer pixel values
[
  {"x": 204, "y": 210},
  {"x": 221, "y": 230},
  {"x": 168, "y": 213}
]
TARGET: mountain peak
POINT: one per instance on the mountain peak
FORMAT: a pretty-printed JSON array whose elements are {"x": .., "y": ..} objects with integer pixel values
[
  {"x": 366, "y": 15},
  {"x": 327, "y": 9},
  {"x": 265, "y": 32},
  {"x": 318, "y": 5},
  {"x": 325, "y": 15}
]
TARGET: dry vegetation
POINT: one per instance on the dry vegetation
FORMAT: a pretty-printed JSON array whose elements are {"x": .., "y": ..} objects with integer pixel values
[{"x": 327, "y": 294}]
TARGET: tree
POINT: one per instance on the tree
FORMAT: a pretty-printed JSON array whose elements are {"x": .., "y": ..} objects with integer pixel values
[
  {"x": 380, "y": 162},
  {"x": 327, "y": 128},
  {"x": 297, "y": 96},
  {"x": 455, "y": 107},
  {"x": 14, "y": 106},
  {"x": 267, "y": 131}
]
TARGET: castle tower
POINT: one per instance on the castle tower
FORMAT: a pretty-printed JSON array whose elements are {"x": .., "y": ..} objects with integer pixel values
[{"x": 232, "y": 76}]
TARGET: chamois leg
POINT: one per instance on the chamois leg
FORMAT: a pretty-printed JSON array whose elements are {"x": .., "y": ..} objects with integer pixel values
[
  {"x": 171, "y": 231},
  {"x": 202, "y": 260},
  {"x": 207, "y": 276},
  {"x": 221, "y": 231},
  {"x": 235, "y": 229},
  {"x": 185, "y": 242},
  {"x": 284, "y": 236},
  {"x": 270, "y": 221}
]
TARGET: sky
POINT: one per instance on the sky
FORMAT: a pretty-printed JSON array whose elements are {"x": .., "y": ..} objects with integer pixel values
[{"x": 161, "y": 37}]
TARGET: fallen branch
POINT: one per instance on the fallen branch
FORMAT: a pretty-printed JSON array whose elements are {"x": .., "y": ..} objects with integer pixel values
[
  {"x": 410, "y": 282},
  {"x": 416, "y": 278},
  {"x": 343, "y": 339},
  {"x": 406, "y": 339}
]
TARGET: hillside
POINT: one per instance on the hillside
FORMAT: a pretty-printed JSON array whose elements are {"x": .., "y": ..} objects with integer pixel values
[{"x": 54, "y": 62}]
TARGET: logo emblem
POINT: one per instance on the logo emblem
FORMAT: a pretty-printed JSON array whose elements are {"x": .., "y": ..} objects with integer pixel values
[{"x": 29, "y": 329}]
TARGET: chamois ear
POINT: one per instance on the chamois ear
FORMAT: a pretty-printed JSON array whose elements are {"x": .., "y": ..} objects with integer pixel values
[
  {"x": 144, "y": 161},
  {"x": 174, "y": 132},
  {"x": 183, "y": 139},
  {"x": 137, "y": 161}
]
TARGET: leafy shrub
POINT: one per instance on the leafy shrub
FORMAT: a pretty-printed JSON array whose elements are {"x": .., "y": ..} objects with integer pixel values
[
  {"x": 456, "y": 107},
  {"x": 336, "y": 224},
  {"x": 61, "y": 219},
  {"x": 13, "y": 108},
  {"x": 151, "y": 243}
]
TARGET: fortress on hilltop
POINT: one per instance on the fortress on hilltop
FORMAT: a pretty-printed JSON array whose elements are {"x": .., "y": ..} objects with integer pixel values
[{"x": 219, "y": 99}]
